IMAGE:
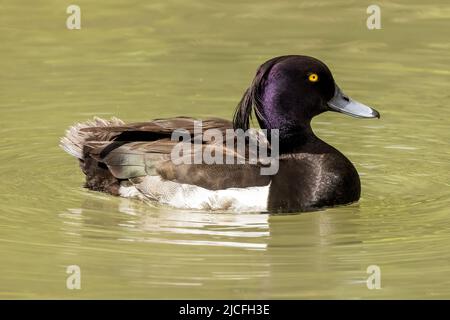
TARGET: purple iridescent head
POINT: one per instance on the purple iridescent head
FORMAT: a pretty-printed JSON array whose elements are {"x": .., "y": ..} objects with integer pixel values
[{"x": 288, "y": 91}]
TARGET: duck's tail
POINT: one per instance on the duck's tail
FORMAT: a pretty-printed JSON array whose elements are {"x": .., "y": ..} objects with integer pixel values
[{"x": 75, "y": 138}]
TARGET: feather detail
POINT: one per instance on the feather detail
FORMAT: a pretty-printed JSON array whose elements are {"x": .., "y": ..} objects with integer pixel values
[{"x": 76, "y": 137}]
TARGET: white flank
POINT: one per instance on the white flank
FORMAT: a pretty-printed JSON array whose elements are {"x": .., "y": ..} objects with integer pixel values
[
  {"x": 187, "y": 196},
  {"x": 130, "y": 192}
]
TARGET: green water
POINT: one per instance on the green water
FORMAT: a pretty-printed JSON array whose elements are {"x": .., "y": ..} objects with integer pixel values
[{"x": 138, "y": 60}]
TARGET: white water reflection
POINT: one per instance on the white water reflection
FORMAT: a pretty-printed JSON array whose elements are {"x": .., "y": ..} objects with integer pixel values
[
  {"x": 191, "y": 228},
  {"x": 172, "y": 226}
]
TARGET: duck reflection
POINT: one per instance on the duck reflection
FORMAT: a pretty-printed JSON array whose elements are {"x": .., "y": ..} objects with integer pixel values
[
  {"x": 160, "y": 247},
  {"x": 146, "y": 222}
]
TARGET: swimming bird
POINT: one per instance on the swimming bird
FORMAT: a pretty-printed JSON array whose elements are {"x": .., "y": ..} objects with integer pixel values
[{"x": 135, "y": 159}]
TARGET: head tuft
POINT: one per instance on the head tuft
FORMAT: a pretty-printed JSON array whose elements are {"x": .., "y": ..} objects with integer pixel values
[{"x": 251, "y": 100}]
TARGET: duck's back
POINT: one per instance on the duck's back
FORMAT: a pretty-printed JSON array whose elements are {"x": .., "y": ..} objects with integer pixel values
[{"x": 135, "y": 160}]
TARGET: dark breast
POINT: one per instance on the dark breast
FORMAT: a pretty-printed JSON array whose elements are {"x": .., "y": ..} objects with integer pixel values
[{"x": 310, "y": 181}]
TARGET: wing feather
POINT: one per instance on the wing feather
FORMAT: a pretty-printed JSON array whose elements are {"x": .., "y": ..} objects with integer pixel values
[{"x": 132, "y": 154}]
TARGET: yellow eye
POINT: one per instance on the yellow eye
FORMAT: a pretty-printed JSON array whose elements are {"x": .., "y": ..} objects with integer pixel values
[{"x": 313, "y": 77}]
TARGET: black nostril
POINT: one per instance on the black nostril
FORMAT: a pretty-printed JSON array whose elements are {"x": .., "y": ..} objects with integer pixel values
[{"x": 346, "y": 98}]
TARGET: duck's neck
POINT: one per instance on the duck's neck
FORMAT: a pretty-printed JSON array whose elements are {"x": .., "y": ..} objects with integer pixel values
[{"x": 296, "y": 139}]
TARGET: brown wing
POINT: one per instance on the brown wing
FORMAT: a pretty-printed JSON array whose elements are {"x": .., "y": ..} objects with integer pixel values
[
  {"x": 141, "y": 149},
  {"x": 162, "y": 126}
]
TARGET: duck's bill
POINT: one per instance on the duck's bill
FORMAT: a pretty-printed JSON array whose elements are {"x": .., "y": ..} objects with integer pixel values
[{"x": 342, "y": 103}]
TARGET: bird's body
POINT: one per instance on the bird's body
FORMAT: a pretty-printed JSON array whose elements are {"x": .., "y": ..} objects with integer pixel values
[{"x": 136, "y": 160}]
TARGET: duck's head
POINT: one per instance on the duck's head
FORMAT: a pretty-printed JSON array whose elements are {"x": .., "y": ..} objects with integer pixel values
[{"x": 288, "y": 91}]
